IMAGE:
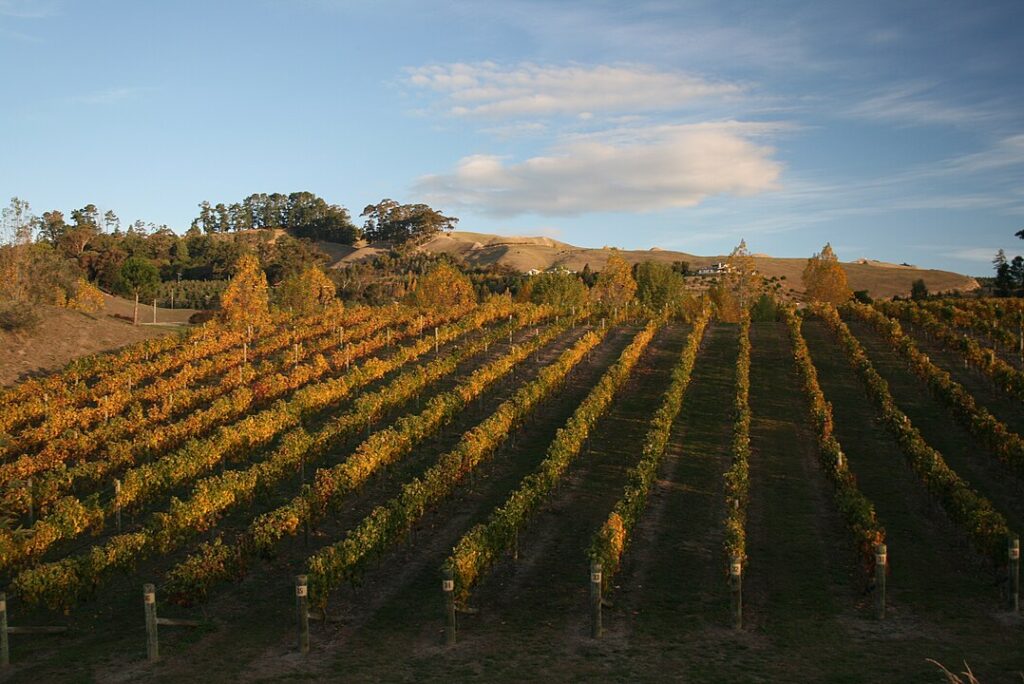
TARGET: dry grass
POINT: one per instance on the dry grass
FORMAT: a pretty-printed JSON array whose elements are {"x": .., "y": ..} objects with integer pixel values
[
  {"x": 62, "y": 335},
  {"x": 524, "y": 253}
]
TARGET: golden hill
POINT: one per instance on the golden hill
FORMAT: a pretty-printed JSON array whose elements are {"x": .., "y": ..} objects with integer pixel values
[{"x": 525, "y": 253}]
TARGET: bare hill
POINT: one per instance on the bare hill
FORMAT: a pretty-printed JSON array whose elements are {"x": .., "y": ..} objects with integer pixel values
[
  {"x": 64, "y": 335},
  {"x": 525, "y": 253}
]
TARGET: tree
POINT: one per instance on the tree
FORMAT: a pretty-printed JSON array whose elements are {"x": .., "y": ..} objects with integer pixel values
[
  {"x": 615, "y": 286},
  {"x": 659, "y": 286},
  {"x": 863, "y": 297},
  {"x": 824, "y": 278},
  {"x": 245, "y": 302},
  {"x": 739, "y": 287},
  {"x": 111, "y": 222},
  {"x": 444, "y": 287},
  {"x": 15, "y": 265},
  {"x": 1017, "y": 271},
  {"x": 88, "y": 215},
  {"x": 305, "y": 292},
  {"x": 559, "y": 289},
  {"x": 765, "y": 309},
  {"x": 52, "y": 226},
  {"x": 588, "y": 276},
  {"x": 1004, "y": 277},
  {"x": 139, "y": 275},
  {"x": 206, "y": 220},
  {"x": 87, "y": 298},
  {"x": 918, "y": 289},
  {"x": 399, "y": 224}
]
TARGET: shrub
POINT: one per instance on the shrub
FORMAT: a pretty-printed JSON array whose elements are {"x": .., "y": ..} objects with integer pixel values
[{"x": 18, "y": 317}]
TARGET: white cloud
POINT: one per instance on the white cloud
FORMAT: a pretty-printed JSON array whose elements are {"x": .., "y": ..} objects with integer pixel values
[
  {"x": 678, "y": 168},
  {"x": 487, "y": 89}
]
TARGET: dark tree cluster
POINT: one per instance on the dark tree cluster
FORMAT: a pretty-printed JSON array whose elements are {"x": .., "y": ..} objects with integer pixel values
[
  {"x": 1009, "y": 278},
  {"x": 399, "y": 224},
  {"x": 302, "y": 214}
]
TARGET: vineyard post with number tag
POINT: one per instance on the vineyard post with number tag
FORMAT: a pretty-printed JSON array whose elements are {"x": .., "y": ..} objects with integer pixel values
[
  {"x": 595, "y": 600},
  {"x": 1013, "y": 553},
  {"x": 736, "y": 585},
  {"x": 152, "y": 640},
  {"x": 881, "y": 566},
  {"x": 448, "y": 587},
  {"x": 302, "y": 607}
]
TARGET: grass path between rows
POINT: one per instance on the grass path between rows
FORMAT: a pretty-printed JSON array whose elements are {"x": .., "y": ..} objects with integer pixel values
[{"x": 943, "y": 604}]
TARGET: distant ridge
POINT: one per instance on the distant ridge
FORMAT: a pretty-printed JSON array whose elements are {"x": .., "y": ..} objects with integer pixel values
[{"x": 523, "y": 254}]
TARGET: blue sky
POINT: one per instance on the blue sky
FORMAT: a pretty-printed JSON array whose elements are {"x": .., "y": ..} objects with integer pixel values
[{"x": 895, "y": 130}]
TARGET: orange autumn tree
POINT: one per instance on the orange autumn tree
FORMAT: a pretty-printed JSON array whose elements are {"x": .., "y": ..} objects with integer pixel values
[
  {"x": 615, "y": 286},
  {"x": 307, "y": 292},
  {"x": 824, "y": 278},
  {"x": 245, "y": 304},
  {"x": 444, "y": 287},
  {"x": 87, "y": 297}
]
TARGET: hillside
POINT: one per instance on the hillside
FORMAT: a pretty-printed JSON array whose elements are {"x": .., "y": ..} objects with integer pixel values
[
  {"x": 64, "y": 335},
  {"x": 524, "y": 253}
]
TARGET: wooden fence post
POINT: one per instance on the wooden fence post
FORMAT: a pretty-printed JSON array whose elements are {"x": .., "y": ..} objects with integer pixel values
[
  {"x": 152, "y": 642},
  {"x": 1013, "y": 552},
  {"x": 881, "y": 565},
  {"x": 302, "y": 606},
  {"x": 595, "y": 600},
  {"x": 5, "y": 651},
  {"x": 117, "y": 503},
  {"x": 736, "y": 585},
  {"x": 31, "y": 503},
  {"x": 448, "y": 587},
  {"x": 436, "y": 341}
]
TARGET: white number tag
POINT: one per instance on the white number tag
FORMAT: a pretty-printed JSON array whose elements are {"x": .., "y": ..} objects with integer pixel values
[
  {"x": 448, "y": 585},
  {"x": 301, "y": 590}
]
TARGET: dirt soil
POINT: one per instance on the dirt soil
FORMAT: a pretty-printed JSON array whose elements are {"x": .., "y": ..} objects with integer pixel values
[{"x": 64, "y": 335}]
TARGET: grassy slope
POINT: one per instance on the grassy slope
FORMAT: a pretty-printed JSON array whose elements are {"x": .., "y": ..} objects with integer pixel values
[
  {"x": 522, "y": 254},
  {"x": 64, "y": 335}
]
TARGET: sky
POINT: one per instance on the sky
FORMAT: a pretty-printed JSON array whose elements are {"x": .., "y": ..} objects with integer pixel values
[{"x": 893, "y": 130}]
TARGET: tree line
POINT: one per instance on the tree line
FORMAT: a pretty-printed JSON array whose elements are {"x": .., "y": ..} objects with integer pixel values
[{"x": 305, "y": 215}]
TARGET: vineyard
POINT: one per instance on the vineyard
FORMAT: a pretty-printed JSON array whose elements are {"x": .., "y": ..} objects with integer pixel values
[{"x": 510, "y": 491}]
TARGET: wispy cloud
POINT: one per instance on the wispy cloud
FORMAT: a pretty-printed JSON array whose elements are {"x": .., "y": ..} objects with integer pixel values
[
  {"x": 487, "y": 89},
  {"x": 978, "y": 254},
  {"x": 111, "y": 95},
  {"x": 918, "y": 103},
  {"x": 681, "y": 168}
]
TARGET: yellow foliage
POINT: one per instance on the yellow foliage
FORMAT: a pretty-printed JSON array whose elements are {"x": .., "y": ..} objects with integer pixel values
[
  {"x": 307, "y": 292},
  {"x": 244, "y": 303},
  {"x": 824, "y": 279},
  {"x": 615, "y": 286},
  {"x": 87, "y": 298},
  {"x": 445, "y": 287}
]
